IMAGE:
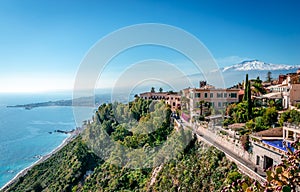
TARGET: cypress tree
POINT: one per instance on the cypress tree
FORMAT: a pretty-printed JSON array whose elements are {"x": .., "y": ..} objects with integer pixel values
[
  {"x": 249, "y": 101},
  {"x": 247, "y": 97},
  {"x": 245, "y": 89}
]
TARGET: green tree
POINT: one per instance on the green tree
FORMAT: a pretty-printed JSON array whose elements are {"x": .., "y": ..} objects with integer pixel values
[
  {"x": 269, "y": 76},
  {"x": 160, "y": 90},
  {"x": 250, "y": 125},
  {"x": 260, "y": 124},
  {"x": 120, "y": 133},
  {"x": 270, "y": 116},
  {"x": 258, "y": 88},
  {"x": 201, "y": 104},
  {"x": 249, "y": 102},
  {"x": 152, "y": 90},
  {"x": 245, "y": 97},
  {"x": 239, "y": 112}
]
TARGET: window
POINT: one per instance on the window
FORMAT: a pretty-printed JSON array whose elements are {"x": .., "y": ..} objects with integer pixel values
[
  {"x": 197, "y": 95},
  {"x": 205, "y": 95},
  {"x": 257, "y": 160},
  {"x": 219, "y": 104},
  {"x": 212, "y": 104},
  {"x": 211, "y": 95},
  {"x": 174, "y": 104},
  {"x": 225, "y": 95},
  {"x": 233, "y": 95},
  {"x": 219, "y": 95}
]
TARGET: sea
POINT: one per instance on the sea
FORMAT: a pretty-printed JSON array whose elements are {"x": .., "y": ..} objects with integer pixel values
[{"x": 26, "y": 135}]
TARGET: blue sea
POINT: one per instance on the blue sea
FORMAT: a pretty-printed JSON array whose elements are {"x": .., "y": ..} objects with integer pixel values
[{"x": 24, "y": 134}]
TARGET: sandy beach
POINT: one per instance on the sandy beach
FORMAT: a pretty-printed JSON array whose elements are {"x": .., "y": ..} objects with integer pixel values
[{"x": 42, "y": 159}]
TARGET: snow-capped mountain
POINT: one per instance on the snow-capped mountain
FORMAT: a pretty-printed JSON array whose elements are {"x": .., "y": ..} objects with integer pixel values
[{"x": 258, "y": 65}]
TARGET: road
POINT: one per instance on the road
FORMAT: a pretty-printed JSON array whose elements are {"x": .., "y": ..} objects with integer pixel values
[{"x": 244, "y": 165}]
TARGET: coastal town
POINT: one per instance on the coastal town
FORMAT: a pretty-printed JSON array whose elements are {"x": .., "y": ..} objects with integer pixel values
[
  {"x": 150, "y": 96},
  {"x": 254, "y": 122}
]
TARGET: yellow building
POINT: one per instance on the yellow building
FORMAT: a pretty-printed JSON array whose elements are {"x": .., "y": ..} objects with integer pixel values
[
  {"x": 172, "y": 99},
  {"x": 217, "y": 98}
]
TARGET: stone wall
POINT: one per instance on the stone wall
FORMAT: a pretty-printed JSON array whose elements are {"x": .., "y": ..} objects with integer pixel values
[
  {"x": 262, "y": 151},
  {"x": 226, "y": 141},
  {"x": 235, "y": 146},
  {"x": 242, "y": 168}
]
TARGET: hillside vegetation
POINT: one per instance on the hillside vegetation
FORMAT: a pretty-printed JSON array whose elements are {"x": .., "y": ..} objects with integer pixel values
[{"x": 121, "y": 151}]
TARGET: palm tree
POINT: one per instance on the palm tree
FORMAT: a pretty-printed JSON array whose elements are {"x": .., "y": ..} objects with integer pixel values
[
  {"x": 257, "y": 87},
  {"x": 200, "y": 104}
]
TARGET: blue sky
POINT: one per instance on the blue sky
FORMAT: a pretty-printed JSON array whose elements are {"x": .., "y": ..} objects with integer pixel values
[{"x": 43, "y": 42}]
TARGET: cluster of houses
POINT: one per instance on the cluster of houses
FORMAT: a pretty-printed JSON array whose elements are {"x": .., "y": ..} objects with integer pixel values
[
  {"x": 190, "y": 97},
  {"x": 267, "y": 146},
  {"x": 287, "y": 88}
]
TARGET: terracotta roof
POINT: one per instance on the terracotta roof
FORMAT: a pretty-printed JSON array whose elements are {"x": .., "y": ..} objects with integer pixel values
[
  {"x": 241, "y": 92},
  {"x": 236, "y": 126},
  {"x": 273, "y": 132}
]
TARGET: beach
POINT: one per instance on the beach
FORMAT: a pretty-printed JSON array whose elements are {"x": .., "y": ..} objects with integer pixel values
[{"x": 42, "y": 159}]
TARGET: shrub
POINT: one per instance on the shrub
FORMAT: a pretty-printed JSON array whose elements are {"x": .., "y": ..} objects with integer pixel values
[{"x": 245, "y": 142}]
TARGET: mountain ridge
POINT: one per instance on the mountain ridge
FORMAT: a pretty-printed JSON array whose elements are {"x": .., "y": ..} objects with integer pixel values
[{"x": 250, "y": 65}]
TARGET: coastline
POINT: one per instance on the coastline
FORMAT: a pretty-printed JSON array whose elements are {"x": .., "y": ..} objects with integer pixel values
[{"x": 40, "y": 160}]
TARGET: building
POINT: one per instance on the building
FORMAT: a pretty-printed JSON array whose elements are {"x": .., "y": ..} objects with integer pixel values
[
  {"x": 208, "y": 95},
  {"x": 171, "y": 98},
  {"x": 269, "y": 145},
  {"x": 290, "y": 132},
  {"x": 267, "y": 148},
  {"x": 294, "y": 96},
  {"x": 289, "y": 87}
]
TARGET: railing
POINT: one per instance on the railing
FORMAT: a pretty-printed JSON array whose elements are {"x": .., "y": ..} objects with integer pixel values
[
  {"x": 269, "y": 147},
  {"x": 241, "y": 166},
  {"x": 289, "y": 125}
]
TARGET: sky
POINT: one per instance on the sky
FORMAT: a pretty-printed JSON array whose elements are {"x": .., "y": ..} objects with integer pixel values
[{"x": 42, "y": 43}]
